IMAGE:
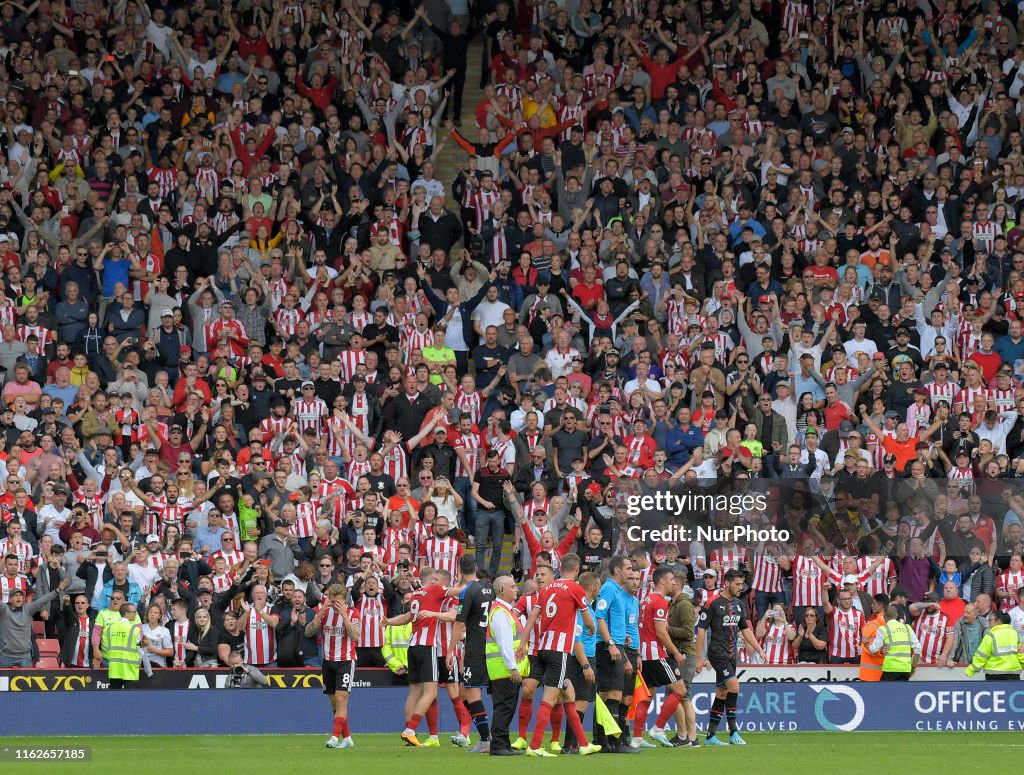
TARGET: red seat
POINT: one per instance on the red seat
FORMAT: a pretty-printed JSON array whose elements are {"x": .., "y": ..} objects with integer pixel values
[
  {"x": 48, "y": 663},
  {"x": 48, "y": 647},
  {"x": 38, "y": 629}
]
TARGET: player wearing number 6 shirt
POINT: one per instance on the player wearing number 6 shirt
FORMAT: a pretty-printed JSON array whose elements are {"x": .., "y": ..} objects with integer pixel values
[
  {"x": 471, "y": 622},
  {"x": 425, "y": 664},
  {"x": 556, "y": 610},
  {"x": 721, "y": 625},
  {"x": 660, "y": 657},
  {"x": 338, "y": 620}
]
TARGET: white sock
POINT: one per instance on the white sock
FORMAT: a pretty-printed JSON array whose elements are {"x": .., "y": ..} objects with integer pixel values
[{"x": 408, "y": 731}]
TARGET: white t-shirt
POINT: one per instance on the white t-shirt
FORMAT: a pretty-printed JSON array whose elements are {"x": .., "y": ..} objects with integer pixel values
[
  {"x": 159, "y": 637},
  {"x": 57, "y": 520}
]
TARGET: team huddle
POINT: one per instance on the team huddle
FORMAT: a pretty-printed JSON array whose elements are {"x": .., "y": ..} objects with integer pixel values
[{"x": 547, "y": 653}]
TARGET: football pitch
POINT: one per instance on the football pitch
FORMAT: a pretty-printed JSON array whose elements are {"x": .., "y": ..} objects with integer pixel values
[{"x": 794, "y": 753}]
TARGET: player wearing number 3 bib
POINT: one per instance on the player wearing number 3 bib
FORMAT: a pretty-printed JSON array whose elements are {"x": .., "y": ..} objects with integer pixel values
[{"x": 722, "y": 623}]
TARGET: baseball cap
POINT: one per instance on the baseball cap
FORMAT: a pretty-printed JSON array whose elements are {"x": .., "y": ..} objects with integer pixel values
[
  {"x": 710, "y": 572},
  {"x": 892, "y": 415},
  {"x": 152, "y": 538},
  {"x": 849, "y": 579}
]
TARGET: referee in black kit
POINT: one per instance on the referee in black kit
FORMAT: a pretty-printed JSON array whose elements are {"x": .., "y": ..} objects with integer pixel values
[{"x": 471, "y": 620}]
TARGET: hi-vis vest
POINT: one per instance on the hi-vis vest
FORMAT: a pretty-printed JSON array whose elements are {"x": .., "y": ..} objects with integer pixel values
[
  {"x": 998, "y": 653},
  {"x": 122, "y": 652},
  {"x": 871, "y": 664},
  {"x": 496, "y": 669},
  {"x": 396, "y": 646},
  {"x": 900, "y": 658}
]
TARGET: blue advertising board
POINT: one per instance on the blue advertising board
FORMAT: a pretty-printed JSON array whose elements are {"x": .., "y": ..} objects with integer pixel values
[{"x": 796, "y": 707}]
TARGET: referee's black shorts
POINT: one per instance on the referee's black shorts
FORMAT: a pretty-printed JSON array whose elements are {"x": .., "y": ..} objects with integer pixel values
[
  {"x": 611, "y": 674},
  {"x": 584, "y": 690},
  {"x": 632, "y": 656}
]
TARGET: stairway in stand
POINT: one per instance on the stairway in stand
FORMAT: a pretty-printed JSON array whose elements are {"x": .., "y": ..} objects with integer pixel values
[
  {"x": 450, "y": 161},
  {"x": 452, "y": 157}
]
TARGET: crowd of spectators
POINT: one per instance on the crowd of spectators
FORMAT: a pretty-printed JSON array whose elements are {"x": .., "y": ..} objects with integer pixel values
[{"x": 253, "y": 344}]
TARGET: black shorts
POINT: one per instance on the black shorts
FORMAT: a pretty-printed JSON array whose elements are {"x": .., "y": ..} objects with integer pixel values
[
  {"x": 425, "y": 667},
  {"x": 725, "y": 668},
  {"x": 611, "y": 674},
  {"x": 554, "y": 666},
  {"x": 583, "y": 689},
  {"x": 536, "y": 668},
  {"x": 338, "y": 676},
  {"x": 474, "y": 673},
  {"x": 629, "y": 679},
  {"x": 661, "y": 672},
  {"x": 447, "y": 676}
]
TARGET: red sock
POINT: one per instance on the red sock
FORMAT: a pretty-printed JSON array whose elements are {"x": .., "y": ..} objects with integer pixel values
[
  {"x": 572, "y": 717},
  {"x": 462, "y": 714},
  {"x": 667, "y": 709},
  {"x": 541, "y": 726},
  {"x": 414, "y": 721},
  {"x": 432, "y": 718},
  {"x": 345, "y": 731},
  {"x": 640, "y": 719},
  {"x": 557, "y": 713},
  {"x": 525, "y": 714},
  {"x": 339, "y": 726}
]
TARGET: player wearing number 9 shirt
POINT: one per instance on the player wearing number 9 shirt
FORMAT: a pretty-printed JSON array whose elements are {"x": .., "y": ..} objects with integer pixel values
[
  {"x": 425, "y": 665},
  {"x": 722, "y": 623}
]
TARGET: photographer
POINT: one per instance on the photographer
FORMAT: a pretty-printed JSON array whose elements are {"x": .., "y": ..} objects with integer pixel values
[{"x": 243, "y": 676}]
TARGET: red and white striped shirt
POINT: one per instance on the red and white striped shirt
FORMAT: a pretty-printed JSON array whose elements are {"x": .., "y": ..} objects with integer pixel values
[
  {"x": 424, "y": 630},
  {"x": 442, "y": 554},
  {"x": 337, "y": 645},
  {"x": 728, "y": 558},
  {"x": 481, "y": 201},
  {"x": 794, "y": 17},
  {"x": 7, "y": 584},
  {"x": 372, "y": 613},
  {"x": 469, "y": 443},
  {"x": 878, "y": 582},
  {"x": 767, "y": 577},
  {"x": 231, "y": 558},
  {"x": 179, "y": 637},
  {"x": 355, "y": 469},
  {"x": 524, "y": 607},
  {"x": 776, "y": 645},
  {"x": 654, "y": 610},
  {"x": 946, "y": 392},
  {"x": 260, "y": 639},
  {"x": 349, "y": 360},
  {"x": 844, "y": 633},
  {"x": 309, "y": 415},
  {"x": 23, "y": 551},
  {"x": 470, "y": 403},
  {"x": 967, "y": 396},
  {"x": 81, "y": 652},
  {"x": 806, "y": 582},
  {"x": 306, "y": 515},
  {"x": 932, "y": 630},
  {"x": 1009, "y": 582}
]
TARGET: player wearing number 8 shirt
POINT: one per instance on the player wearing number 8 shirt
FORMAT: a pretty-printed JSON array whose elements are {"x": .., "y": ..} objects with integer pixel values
[
  {"x": 338, "y": 620},
  {"x": 471, "y": 620},
  {"x": 556, "y": 610},
  {"x": 721, "y": 625}
]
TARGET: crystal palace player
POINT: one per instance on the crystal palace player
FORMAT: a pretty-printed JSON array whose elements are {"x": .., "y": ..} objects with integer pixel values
[
  {"x": 556, "y": 609},
  {"x": 722, "y": 623},
  {"x": 474, "y": 605},
  {"x": 339, "y": 623}
]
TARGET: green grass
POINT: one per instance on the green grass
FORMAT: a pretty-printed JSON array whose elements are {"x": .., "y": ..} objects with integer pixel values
[{"x": 795, "y": 753}]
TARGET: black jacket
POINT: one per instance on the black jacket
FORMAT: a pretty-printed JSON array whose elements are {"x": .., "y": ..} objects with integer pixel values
[
  {"x": 441, "y": 234},
  {"x": 67, "y": 633}
]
